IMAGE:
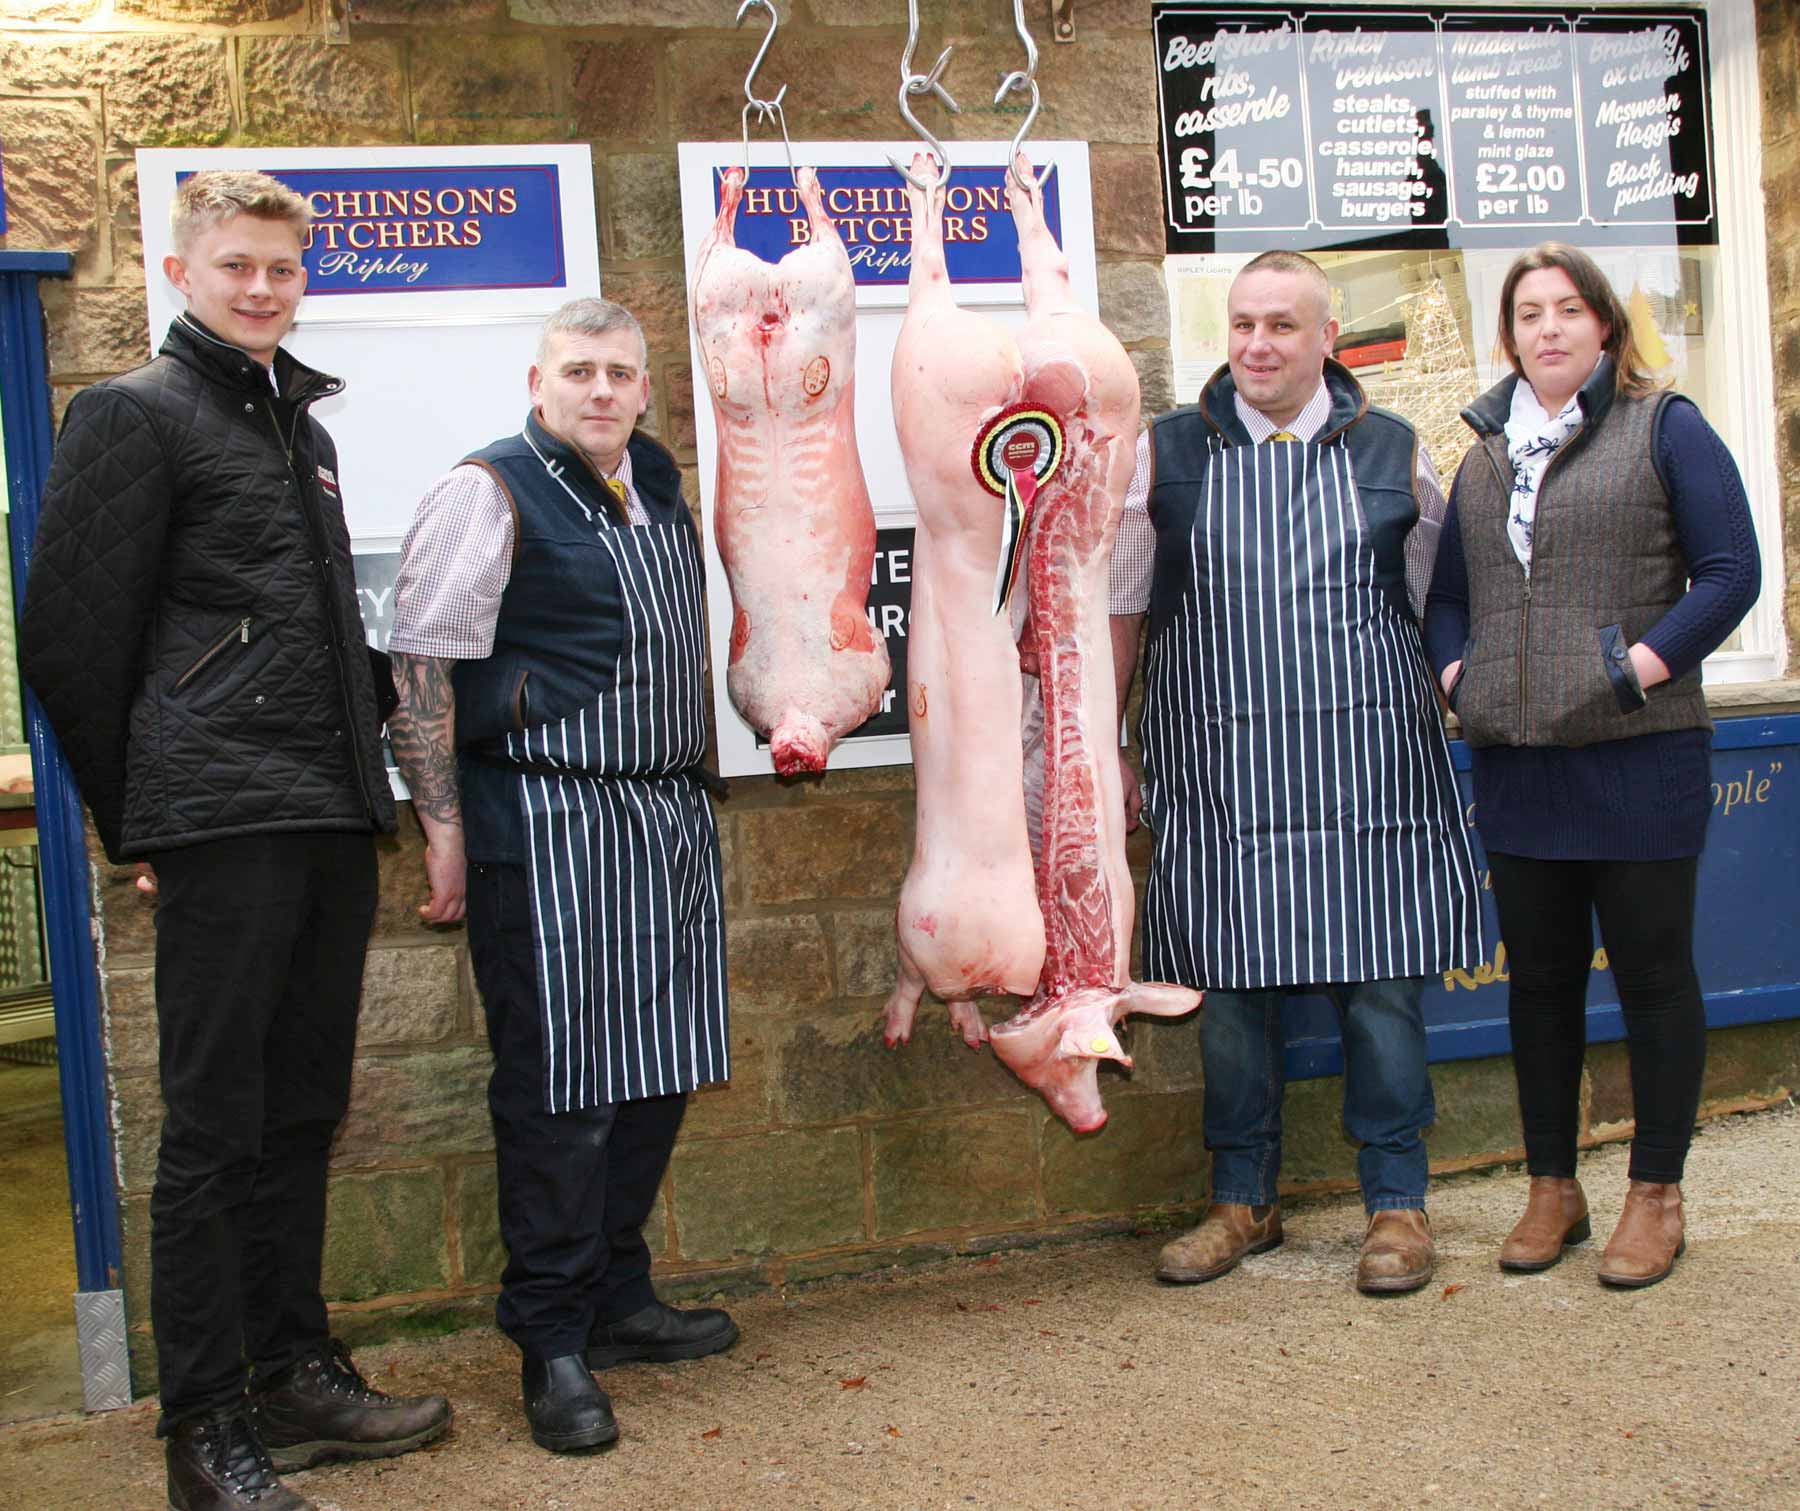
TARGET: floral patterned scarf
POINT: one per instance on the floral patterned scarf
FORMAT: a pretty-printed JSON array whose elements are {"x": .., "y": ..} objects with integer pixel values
[{"x": 1532, "y": 438}]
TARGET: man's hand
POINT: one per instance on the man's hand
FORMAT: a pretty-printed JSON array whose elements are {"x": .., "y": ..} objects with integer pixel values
[
  {"x": 146, "y": 878},
  {"x": 447, "y": 872},
  {"x": 422, "y": 731},
  {"x": 1447, "y": 677},
  {"x": 1133, "y": 793}
]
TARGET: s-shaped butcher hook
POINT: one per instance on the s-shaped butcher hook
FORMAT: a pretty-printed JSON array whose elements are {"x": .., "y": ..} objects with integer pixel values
[
  {"x": 921, "y": 83},
  {"x": 1023, "y": 80},
  {"x": 766, "y": 110}
]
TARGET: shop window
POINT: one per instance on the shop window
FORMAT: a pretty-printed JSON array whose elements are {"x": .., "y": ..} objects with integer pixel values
[{"x": 1414, "y": 153}]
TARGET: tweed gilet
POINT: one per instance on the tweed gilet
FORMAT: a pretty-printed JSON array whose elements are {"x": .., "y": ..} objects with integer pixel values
[{"x": 1546, "y": 661}]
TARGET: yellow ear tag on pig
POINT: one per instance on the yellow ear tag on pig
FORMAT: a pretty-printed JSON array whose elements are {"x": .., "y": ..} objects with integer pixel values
[{"x": 1100, "y": 1046}]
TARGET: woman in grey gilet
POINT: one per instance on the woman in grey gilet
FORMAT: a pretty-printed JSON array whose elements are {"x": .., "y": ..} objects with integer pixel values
[{"x": 1598, "y": 547}]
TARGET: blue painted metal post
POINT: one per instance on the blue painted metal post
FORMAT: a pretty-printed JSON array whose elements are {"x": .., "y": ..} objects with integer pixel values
[{"x": 62, "y": 845}]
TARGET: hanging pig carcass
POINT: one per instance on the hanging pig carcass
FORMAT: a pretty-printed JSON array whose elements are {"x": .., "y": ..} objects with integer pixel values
[
  {"x": 1054, "y": 445},
  {"x": 791, "y": 511},
  {"x": 968, "y": 923}
]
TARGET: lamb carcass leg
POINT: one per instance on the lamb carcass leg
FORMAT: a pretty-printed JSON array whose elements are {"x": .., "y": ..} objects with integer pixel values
[
  {"x": 968, "y": 921},
  {"x": 792, "y": 515},
  {"x": 1075, "y": 368}
]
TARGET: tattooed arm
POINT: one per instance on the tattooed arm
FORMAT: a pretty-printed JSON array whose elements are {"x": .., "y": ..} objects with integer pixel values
[{"x": 422, "y": 731}]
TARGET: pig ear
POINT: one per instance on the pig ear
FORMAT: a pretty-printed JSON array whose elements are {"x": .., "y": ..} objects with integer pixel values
[
  {"x": 1157, "y": 998},
  {"x": 1095, "y": 1043}
]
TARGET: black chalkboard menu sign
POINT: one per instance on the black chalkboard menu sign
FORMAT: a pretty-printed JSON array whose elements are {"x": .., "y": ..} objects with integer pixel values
[{"x": 1432, "y": 126}]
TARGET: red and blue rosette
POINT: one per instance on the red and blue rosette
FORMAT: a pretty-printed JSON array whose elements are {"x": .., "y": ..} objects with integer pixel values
[{"x": 1017, "y": 452}]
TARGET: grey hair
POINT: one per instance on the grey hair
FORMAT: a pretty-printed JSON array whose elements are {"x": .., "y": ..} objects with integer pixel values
[
  {"x": 207, "y": 199},
  {"x": 591, "y": 317}
]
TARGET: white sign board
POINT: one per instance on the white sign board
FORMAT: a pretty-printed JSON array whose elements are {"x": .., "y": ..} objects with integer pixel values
[
  {"x": 867, "y": 200},
  {"x": 429, "y": 272}
]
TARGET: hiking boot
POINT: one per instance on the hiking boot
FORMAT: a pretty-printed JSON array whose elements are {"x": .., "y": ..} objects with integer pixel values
[
  {"x": 320, "y": 1408},
  {"x": 216, "y": 1463}
]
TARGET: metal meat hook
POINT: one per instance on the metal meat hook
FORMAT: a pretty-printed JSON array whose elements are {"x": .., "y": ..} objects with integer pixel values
[
  {"x": 1024, "y": 81},
  {"x": 766, "y": 110},
  {"x": 922, "y": 83}
]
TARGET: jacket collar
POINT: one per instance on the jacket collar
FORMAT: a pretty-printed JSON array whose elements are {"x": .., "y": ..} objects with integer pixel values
[
  {"x": 1218, "y": 405},
  {"x": 654, "y": 473},
  {"x": 1488, "y": 414},
  {"x": 191, "y": 342}
]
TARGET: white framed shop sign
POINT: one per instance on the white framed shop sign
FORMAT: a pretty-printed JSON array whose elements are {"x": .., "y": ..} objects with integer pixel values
[
  {"x": 429, "y": 270},
  {"x": 867, "y": 200}
]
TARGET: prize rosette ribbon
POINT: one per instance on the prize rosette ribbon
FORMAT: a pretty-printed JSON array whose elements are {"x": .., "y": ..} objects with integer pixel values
[{"x": 1017, "y": 452}]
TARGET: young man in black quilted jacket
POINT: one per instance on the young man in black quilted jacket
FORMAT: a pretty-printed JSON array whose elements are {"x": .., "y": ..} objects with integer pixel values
[{"x": 191, "y": 628}]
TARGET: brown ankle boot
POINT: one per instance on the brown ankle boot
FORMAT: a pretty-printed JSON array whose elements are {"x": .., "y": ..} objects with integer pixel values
[
  {"x": 1556, "y": 1215},
  {"x": 1649, "y": 1237},
  {"x": 1397, "y": 1252},
  {"x": 1226, "y": 1234}
]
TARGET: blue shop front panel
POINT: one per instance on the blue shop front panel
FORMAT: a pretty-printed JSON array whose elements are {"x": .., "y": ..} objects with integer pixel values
[{"x": 1747, "y": 934}]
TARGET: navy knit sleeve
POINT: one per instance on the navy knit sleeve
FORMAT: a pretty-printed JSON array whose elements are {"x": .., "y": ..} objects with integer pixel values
[
  {"x": 1447, "y": 604},
  {"x": 1712, "y": 521}
]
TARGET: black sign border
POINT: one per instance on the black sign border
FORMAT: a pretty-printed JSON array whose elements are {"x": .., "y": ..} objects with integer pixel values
[{"x": 1454, "y": 235}]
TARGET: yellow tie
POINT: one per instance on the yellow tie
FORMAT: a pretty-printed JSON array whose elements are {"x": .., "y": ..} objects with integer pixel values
[
  {"x": 1284, "y": 435},
  {"x": 618, "y": 490}
]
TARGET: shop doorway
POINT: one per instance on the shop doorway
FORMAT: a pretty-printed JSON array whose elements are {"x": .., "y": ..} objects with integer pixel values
[{"x": 62, "y": 1335}]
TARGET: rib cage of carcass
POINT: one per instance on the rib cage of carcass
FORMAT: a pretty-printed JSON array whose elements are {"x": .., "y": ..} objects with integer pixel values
[
  {"x": 792, "y": 517},
  {"x": 987, "y": 906}
]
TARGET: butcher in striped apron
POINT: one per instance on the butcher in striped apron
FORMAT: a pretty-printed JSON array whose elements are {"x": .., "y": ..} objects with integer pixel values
[
  {"x": 1308, "y": 834},
  {"x": 550, "y": 652}
]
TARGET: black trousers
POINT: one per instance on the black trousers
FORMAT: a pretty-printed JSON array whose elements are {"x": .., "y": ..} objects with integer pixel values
[
  {"x": 259, "y": 960},
  {"x": 1646, "y": 913},
  {"x": 575, "y": 1187}
]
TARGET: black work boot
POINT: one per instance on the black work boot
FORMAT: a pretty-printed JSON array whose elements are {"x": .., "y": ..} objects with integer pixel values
[
  {"x": 320, "y": 1408},
  {"x": 661, "y": 1334},
  {"x": 215, "y": 1463},
  {"x": 564, "y": 1406}
]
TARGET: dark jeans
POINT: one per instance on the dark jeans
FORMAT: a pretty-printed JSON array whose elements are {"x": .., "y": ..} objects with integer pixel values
[
  {"x": 259, "y": 960},
  {"x": 1646, "y": 911},
  {"x": 1388, "y": 1101},
  {"x": 575, "y": 1187}
]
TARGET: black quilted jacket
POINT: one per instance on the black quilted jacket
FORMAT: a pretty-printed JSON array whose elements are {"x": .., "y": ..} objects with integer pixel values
[{"x": 190, "y": 620}]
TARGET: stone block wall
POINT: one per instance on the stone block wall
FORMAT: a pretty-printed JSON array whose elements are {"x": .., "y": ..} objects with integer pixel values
[
  {"x": 827, "y": 1152},
  {"x": 1778, "y": 49}
]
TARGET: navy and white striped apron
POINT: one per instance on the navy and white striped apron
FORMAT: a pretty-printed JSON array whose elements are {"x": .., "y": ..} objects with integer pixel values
[
  {"x": 623, "y": 855},
  {"x": 1298, "y": 780}
]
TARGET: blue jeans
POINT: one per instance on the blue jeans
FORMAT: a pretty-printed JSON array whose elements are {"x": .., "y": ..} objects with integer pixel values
[{"x": 1387, "y": 1090}]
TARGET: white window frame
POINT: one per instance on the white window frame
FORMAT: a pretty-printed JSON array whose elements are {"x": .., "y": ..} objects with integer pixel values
[{"x": 1742, "y": 324}]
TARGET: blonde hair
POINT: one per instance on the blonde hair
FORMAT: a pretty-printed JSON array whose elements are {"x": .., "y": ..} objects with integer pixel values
[{"x": 207, "y": 199}]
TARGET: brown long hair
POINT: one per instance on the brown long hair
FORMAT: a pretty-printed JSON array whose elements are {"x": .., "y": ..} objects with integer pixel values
[{"x": 1632, "y": 377}]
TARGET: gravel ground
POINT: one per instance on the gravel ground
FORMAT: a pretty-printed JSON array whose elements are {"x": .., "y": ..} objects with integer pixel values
[{"x": 1067, "y": 1377}]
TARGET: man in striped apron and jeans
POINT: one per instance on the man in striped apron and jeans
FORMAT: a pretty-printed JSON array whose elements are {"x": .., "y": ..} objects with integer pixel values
[
  {"x": 549, "y": 651},
  {"x": 1308, "y": 833}
]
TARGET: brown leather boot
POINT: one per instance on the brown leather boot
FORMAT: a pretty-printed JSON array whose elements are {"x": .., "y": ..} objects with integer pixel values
[
  {"x": 1397, "y": 1252},
  {"x": 1556, "y": 1215},
  {"x": 1649, "y": 1237},
  {"x": 1226, "y": 1234}
]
